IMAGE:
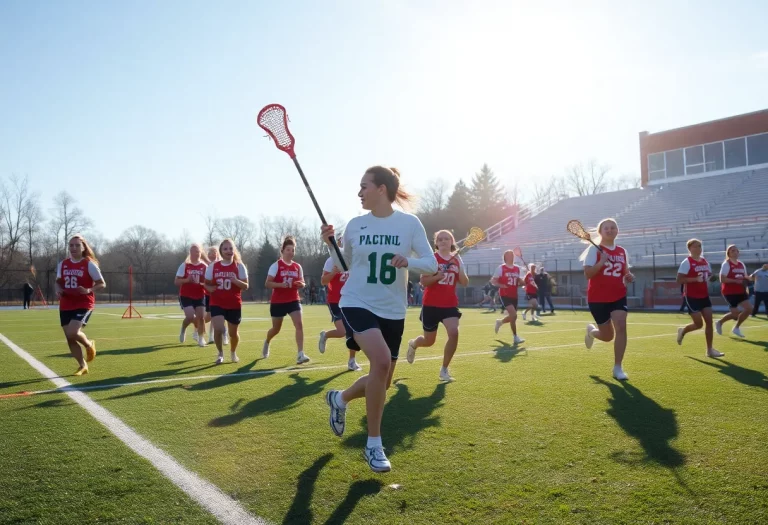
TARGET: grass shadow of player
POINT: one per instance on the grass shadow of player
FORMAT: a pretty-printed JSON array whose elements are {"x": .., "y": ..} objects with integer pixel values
[
  {"x": 41, "y": 380},
  {"x": 763, "y": 344},
  {"x": 357, "y": 491},
  {"x": 117, "y": 381},
  {"x": 51, "y": 403},
  {"x": 745, "y": 376},
  {"x": 505, "y": 353},
  {"x": 280, "y": 400},
  {"x": 639, "y": 416},
  {"x": 404, "y": 418},
  {"x": 137, "y": 350}
]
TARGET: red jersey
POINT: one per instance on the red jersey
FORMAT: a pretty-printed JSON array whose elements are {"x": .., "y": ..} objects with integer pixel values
[
  {"x": 508, "y": 276},
  {"x": 733, "y": 271},
  {"x": 336, "y": 284},
  {"x": 696, "y": 290},
  {"x": 443, "y": 293},
  {"x": 226, "y": 295},
  {"x": 72, "y": 275},
  {"x": 607, "y": 286},
  {"x": 284, "y": 272},
  {"x": 195, "y": 289},
  {"x": 530, "y": 284}
]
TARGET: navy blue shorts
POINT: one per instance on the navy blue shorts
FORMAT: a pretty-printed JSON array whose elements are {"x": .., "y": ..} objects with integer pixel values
[
  {"x": 81, "y": 315},
  {"x": 432, "y": 316},
  {"x": 357, "y": 320},
  {"x": 602, "y": 311},
  {"x": 335, "y": 312},
  {"x": 188, "y": 301},
  {"x": 697, "y": 305},
  {"x": 231, "y": 315},
  {"x": 283, "y": 309}
]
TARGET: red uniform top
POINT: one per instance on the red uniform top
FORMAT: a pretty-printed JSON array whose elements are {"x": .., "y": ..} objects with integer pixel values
[
  {"x": 443, "y": 293},
  {"x": 530, "y": 284},
  {"x": 733, "y": 271},
  {"x": 195, "y": 289},
  {"x": 690, "y": 267},
  {"x": 607, "y": 286},
  {"x": 226, "y": 295},
  {"x": 71, "y": 275},
  {"x": 336, "y": 284},
  {"x": 282, "y": 272},
  {"x": 508, "y": 276}
]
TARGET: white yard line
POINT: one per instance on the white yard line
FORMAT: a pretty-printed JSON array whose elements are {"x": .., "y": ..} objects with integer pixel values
[{"x": 206, "y": 494}]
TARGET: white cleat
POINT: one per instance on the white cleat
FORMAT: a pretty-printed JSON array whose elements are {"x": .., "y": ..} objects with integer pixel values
[
  {"x": 589, "y": 339},
  {"x": 182, "y": 336},
  {"x": 353, "y": 366},
  {"x": 376, "y": 459},
  {"x": 714, "y": 354},
  {"x": 235, "y": 359},
  {"x": 338, "y": 417},
  {"x": 220, "y": 359},
  {"x": 524, "y": 315},
  {"x": 499, "y": 322},
  {"x": 265, "y": 350},
  {"x": 411, "y": 355},
  {"x": 301, "y": 359},
  {"x": 619, "y": 374},
  {"x": 201, "y": 342},
  {"x": 518, "y": 340},
  {"x": 225, "y": 339},
  {"x": 195, "y": 336},
  {"x": 719, "y": 327},
  {"x": 680, "y": 335},
  {"x": 445, "y": 376},
  {"x": 321, "y": 342},
  {"x": 737, "y": 332}
]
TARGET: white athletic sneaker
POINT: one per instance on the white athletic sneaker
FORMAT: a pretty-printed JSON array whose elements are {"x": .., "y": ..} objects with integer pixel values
[
  {"x": 201, "y": 342},
  {"x": 445, "y": 376},
  {"x": 524, "y": 316},
  {"x": 719, "y": 328},
  {"x": 265, "y": 350},
  {"x": 235, "y": 359},
  {"x": 182, "y": 335},
  {"x": 338, "y": 417},
  {"x": 498, "y": 325},
  {"x": 225, "y": 339},
  {"x": 353, "y": 366},
  {"x": 737, "y": 332},
  {"x": 376, "y": 459},
  {"x": 411, "y": 355},
  {"x": 714, "y": 354},
  {"x": 321, "y": 342},
  {"x": 589, "y": 339},
  {"x": 518, "y": 340},
  {"x": 301, "y": 359},
  {"x": 680, "y": 335},
  {"x": 195, "y": 336},
  {"x": 211, "y": 340},
  {"x": 619, "y": 374},
  {"x": 220, "y": 359}
]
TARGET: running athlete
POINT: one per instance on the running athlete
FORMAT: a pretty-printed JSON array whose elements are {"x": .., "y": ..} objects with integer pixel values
[
  {"x": 733, "y": 276},
  {"x": 507, "y": 278},
  {"x": 190, "y": 277},
  {"x": 531, "y": 292},
  {"x": 213, "y": 256}
]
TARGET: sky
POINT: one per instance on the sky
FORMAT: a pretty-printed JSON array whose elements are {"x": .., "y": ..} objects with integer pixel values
[{"x": 146, "y": 111}]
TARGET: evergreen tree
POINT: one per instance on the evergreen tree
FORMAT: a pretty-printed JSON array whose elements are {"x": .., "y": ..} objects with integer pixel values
[
  {"x": 458, "y": 214},
  {"x": 267, "y": 255},
  {"x": 488, "y": 202}
]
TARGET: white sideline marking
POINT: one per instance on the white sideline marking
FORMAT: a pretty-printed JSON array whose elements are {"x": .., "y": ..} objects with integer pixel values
[{"x": 206, "y": 494}]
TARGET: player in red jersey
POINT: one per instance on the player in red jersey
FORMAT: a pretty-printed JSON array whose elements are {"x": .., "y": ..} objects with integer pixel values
[
  {"x": 508, "y": 277},
  {"x": 440, "y": 303},
  {"x": 285, "y": 278},
  {"x": 733, "y": 276},
  {"x": 190, "y": 277},
  {"x": 213, "y": 256},
  {"x": 334, "y": 279},
  {"x": 225, "y": 279},
  {"x": 608, "y": 274},
  {"x": 694, "y": 274},
  {"x": 77, "y": 279},
  {"x": 531, "y": 292}
]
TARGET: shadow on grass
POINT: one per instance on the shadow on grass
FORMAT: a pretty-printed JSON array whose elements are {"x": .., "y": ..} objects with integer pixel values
[
  {"x": 137, "y": 350},
  {"x": 282, "y": 399},
  {"x": 10, "y": 384},
  {"x": 404, "y": 418},
  {"x": 763, "y": 344},
  {"x": 644, "y": 419},
  {"x": 505, "y": 353},
  {"x": 745, "y": 376},
  {"x": 301, "y": 512},
  {"x": 51, "y": 403}
]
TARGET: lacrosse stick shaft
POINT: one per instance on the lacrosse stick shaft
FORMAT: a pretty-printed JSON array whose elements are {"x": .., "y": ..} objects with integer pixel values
[{"x": 319, "y": 212}]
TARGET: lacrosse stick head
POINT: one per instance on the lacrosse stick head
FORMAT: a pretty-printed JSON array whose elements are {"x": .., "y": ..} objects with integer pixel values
[
  {"x": 274, "y": 120},
  {"x": 474, "y": 237},
  {"x": 575, "y": 227},
  {"x": 518, "y": 252}
]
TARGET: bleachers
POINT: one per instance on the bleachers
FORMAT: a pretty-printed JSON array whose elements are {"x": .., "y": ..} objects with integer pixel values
[{"x": 658, "y": 220}]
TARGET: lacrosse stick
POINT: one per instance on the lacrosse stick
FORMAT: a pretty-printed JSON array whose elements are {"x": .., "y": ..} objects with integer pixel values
[
  {"x": 575, "y": 227},
  {"x": 519, "y": 254}
]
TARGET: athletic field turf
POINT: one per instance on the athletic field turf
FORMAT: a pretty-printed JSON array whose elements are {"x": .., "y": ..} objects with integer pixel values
[{"x": 535, "y": 434}]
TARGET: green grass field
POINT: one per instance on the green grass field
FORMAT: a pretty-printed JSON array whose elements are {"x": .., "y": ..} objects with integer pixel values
[{"x": 535, "y": 434}]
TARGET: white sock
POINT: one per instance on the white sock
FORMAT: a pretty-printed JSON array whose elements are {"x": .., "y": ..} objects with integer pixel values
[
  {"x": 374, "y": 442},
  {"x": 443, "y": 370},
  {"x": 339, "y": 401}
]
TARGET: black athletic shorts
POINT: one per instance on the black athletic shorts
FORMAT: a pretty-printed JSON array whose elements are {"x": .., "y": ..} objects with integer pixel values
[
  {"x": 81, "y": 315},
  {"x": 602, "y": 311},
  {"x": 508, "y": 301},
  {"x": 207, "y": 302},
  {"x": 736, "y": 299},
  {"x": 530, "y": 296},
  {"x": 283, "y": 309},
  {"x": 357, "y": 320},
  {"x": 335, "y": 312},
  {"x": 697, "y": 305},
  {"x": 188, "y": 301},
  {"x": 231, "y": 315},
  {"x": 432, "y": 316}
]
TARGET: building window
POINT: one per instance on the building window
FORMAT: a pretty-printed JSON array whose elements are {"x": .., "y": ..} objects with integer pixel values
[
  {"x": 656, "y": 166},
  {"x": 675, "y": 164},
  {"x": 757, "y": 149},
  {"x": 713, "y": 156},
  {"x": 656, "y": 175},
  {"x": 735, "y": 153},
  {"x": 694, "y": 160}
]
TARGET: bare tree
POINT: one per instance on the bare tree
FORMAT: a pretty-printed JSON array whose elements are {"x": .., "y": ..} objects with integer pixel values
[
  {"x": 140, "y": 247},
  {"x": 15, "y": 204},
  {"x": 211, "y": 230},
  {"x": 626, "y": 181},
  {"x": 33, "y": 221},
  {"x": 240, "y": 229},
  {"x": 587, "y": 178},
  {"x": 435, "y": 197},
  {"x": 68, "y": 219}
]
